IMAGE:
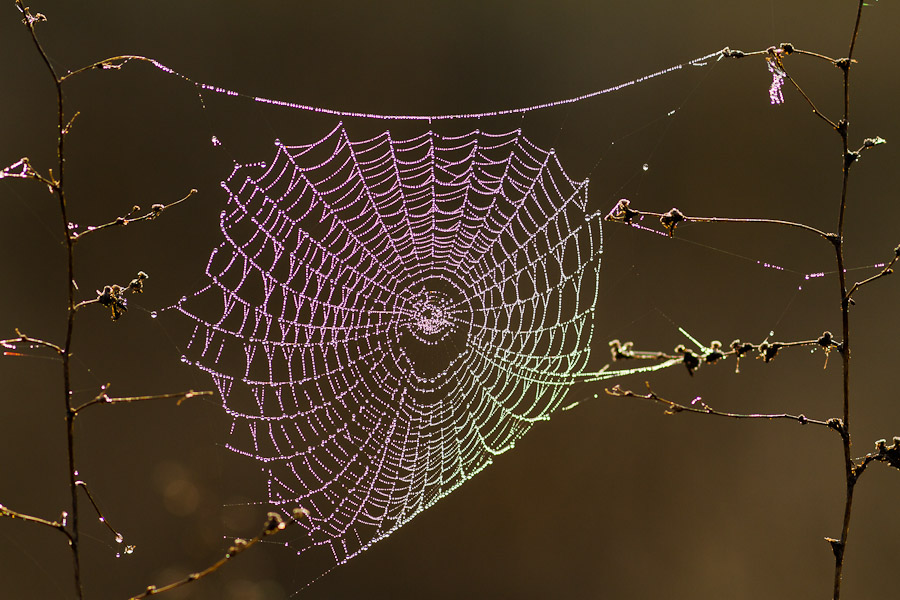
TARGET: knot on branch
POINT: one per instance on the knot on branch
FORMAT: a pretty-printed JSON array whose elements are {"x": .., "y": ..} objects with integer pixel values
[
  {"x": 237, "y": 546},
  {"x": 729, "y": 53},
  {"x": 30, "y": 18},
  {"x": 741, "y": 348},
  {"x": 620, "y": 351},
  {"x": 837, "y": 425},
  {"x": 837, "y": 546},
  {"x": 137, "y": 284},
  {"x": 826, "y": 340},
  {"x": 691, "y": 361},
  {"x": 888, "y": 454},
  {"x": 768, "y": 351},
  {"x": 842, "y": 63},
  {"x": 113, "y": 297},
  {"x": 715, "y": 352},
  {"x": 671, "y": 219},
  {"x": 622, "y": 212},
  {"x": 274, "y": 523},
  {"x": 787, "y": 47}
]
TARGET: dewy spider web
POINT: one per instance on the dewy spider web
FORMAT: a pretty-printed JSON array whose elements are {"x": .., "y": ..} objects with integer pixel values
[{"x": 384, "y": 316}]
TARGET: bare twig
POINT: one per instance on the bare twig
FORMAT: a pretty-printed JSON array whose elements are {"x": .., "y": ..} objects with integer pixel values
[
  {"x": 24, "y": 339},
  {"x": 766, "y": 350},
  {"x": 839, "y": 546},
  {"x": 154, "y": 212},
  {"x": 57, "y": 525},
  {"x": 274, "y": 524},
  {"x": 111, "y": 63},
  {"x": 103, "y": 398},
  {"x": 623, "y": 213},
  {"x": 700, "y": 407},
  {"x": 113, "y": 296},
  {"x": 887, "y": 270},
  {"x": 100, "y": 515},
  {"x": 58, "y": 187}
]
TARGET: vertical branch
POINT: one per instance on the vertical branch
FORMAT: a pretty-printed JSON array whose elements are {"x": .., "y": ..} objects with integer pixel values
[
  {"x": 58, "y": 187},
  {"x": 838, "y": 546}
]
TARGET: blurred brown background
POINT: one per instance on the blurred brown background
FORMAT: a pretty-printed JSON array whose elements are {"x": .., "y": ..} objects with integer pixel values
[{"x": 613, "y": 499}]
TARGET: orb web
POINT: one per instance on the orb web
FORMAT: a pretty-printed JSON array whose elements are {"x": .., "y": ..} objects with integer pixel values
[{"x": 384, "y": 316}]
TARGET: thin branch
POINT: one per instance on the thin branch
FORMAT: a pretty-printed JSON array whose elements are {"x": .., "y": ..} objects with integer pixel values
[
  {"x": 111, "y": 63},
  {"x": 58, "y": 187},
  {"x": 787, "y": 47},
  {"x": 838, "y": 547},
  {"x": 103, "y": 398},
  {"x": 809, "y": 101},
  {"x": 22, "y": 338},
  {"x": 273, "y": 525},
  {"x": 887, "y": 270},
  {"x": 113, "y": 296},
  {"x": 813, "y": 54},
  {"x": 22, "y": 169},
  {"x": 766, "y": 350},
  {"x": 700, "y": 407},
  {"x": 154, "y": 212},
  {"x": 57, "y": 525},
  {"x": 623, "y": 213},
  {"x": 116, "y": 534}
]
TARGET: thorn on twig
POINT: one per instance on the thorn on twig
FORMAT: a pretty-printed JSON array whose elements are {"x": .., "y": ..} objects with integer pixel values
[{"x": 671, "y": 219}]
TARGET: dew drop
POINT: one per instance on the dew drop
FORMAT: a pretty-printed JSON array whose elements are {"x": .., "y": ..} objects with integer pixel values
[
  {"x": 596, "y": 395},
  {"x": 215, "y": 141},
  {"x": 153, "y": 314},
  {"x": 646, "y": 167},
  {"x": 119, "y": 538},
  {"x": 184, "y": 359},
  {"x": 771, "y": 333}
]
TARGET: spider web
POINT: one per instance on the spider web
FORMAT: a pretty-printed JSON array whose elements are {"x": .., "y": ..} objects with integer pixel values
[{"x": 385, "y": 316}]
